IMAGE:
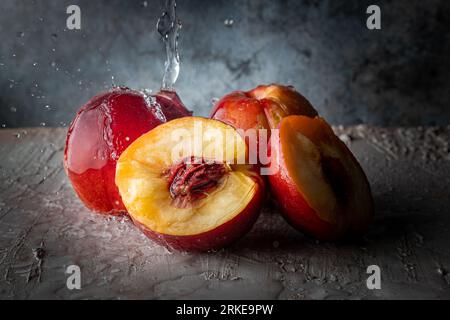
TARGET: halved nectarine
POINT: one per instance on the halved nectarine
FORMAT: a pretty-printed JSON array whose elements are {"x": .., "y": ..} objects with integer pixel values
[
  {"x": 320, "y": 186},
  {"x": 183, "y": 184}
]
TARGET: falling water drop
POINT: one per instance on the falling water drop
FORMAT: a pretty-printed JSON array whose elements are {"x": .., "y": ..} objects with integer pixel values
[
  {"x": 168, "y": 27},
  {"x": 228, "y": 22}
]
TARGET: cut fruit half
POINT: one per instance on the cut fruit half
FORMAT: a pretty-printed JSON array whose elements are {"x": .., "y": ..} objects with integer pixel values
[
  {"x": 185, "y": 185},
  {"x": 320, "y": 186}
]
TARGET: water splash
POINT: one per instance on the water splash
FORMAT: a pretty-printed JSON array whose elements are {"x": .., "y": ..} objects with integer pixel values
[
  {"x": 153, "y": 104},
  {"x": 168, "y": 27}
]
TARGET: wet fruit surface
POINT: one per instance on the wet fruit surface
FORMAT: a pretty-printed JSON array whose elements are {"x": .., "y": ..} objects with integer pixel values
[{"x": 102, "y": 130}]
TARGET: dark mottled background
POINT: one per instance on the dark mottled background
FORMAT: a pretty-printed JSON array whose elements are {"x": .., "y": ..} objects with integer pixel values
[{"x": 396, "y": 76}]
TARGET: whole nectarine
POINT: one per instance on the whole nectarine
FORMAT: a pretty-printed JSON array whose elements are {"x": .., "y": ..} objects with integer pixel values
[{"x": 102, "y": 130}]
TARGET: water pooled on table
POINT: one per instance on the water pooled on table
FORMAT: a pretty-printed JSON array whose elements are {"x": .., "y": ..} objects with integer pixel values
[{"x": 168, "y": 27}]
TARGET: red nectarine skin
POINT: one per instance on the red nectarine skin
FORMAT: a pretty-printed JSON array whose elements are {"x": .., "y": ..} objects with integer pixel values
[
  {"x": 262, "y": 107},
  {"x": 101, "y": 131},
  {"x": 220, "y": 237}
]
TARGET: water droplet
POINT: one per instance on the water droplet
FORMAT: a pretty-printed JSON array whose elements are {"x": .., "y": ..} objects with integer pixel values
[
  {"x": 53, "y": 64},
  {"x": 144, "y": 4},
  {"x": 347, "y": 139},
  {"x": 4, "y": 125},
  {"x": 17, "y": 135},
  {"x": 21, "y": 34},
  {"x": 228, "y": 22},
  {"x": 13, "y": 109},
  {"x": 35, "y": 64},
  {"x": 127, "y": 138},
  {"x": 47, "y": 107},
  {"x": 43, "y": 124}
]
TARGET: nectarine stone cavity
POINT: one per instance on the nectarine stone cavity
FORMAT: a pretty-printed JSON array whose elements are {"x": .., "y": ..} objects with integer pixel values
[{"x": 192, "y": 179}]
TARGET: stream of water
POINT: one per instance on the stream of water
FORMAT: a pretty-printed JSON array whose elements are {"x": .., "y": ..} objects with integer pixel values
[{"x": 169, "y": 27}]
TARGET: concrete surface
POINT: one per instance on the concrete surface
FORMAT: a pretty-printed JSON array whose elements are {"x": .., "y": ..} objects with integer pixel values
[
  {"x": 44, "y": 228},
  {"x": 396, "y": 76}
]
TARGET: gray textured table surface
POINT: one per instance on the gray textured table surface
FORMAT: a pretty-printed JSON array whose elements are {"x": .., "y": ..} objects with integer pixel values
[{"x": 44, "y": 228}]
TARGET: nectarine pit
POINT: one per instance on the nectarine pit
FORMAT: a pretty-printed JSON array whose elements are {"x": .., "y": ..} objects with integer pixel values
[{"x": 192, "y": 179}]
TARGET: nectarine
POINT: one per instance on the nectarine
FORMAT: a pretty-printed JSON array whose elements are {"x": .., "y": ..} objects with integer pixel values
[
  {"x": 186, "y": 189},
  {"x": 256, "y": 112},
  {"x": 262, "y": 107},
  {"x": 320, "y": 186},
  {"x": 101, "y": 130}
]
